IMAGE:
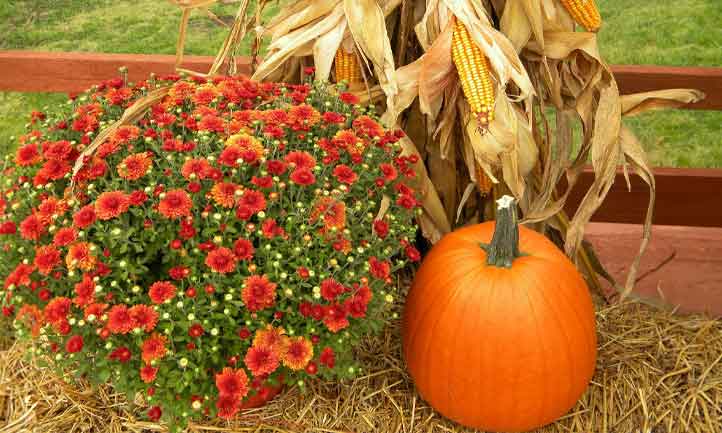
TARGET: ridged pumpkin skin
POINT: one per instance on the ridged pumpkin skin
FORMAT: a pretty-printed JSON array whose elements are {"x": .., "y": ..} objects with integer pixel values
[{"x": 499, "y": 349}]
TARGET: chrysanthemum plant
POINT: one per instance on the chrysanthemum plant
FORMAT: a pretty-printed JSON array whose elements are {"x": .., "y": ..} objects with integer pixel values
[{"x": 235, "y": 235}]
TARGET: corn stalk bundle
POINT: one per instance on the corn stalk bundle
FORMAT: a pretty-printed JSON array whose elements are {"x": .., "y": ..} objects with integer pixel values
[{"x": 489, "y": 93}]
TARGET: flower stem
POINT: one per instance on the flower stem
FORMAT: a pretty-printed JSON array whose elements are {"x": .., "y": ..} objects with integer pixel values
[{"x": 504, "y": 246}]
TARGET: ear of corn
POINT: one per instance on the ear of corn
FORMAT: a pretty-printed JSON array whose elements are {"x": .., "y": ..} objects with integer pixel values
[
  {"x": 585, "y": 13},
  {"x": 347, "y": 67},
  {"x": 475, "y": 75},
  {"x": 483, "y": 182}
]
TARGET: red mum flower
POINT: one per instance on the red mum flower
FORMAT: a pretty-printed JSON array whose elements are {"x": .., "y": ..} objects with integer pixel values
[
  {"x": 412, "y": 253},
  {"x": 74, "y": 344},
  {"x": 381, "y": 228},
  {"x": 31, "y": 228},
  {"x": 196, "y": 330},
  {"x": 46, "y": 258},
  {"x": 332, "y": 117},
  {"x": 154, "y": 413},
  {"x": 32, "y": 317},
  {"x": 358, "y": 303},
  {"x": 64, "y": 237},
  {"x": 94, "y": 309},
  {"x": 153, "y": 348},
  {"x": 28, "y": 155},
  {"x": 176, "y": 203},
  {"x": 84, "y": 291},
  {"x": 304, "y": 115},
  {"x": 137, "y": 198},
  {"x": 349, "y": 98},
  {"x": 148, "y": 373},
  {"x": 379, "y": 269},
  {"x": 135, "y": 166},
  {"x": 331, "y": 211},
  {"x": 261, "y": 360},
  {"x": 59, "y": 150},
  {"x": 221, "y": 260},
  {"x": 255, "y": 200},
  {"x": 50, "y": 208},
  {"x": 232, "y": 382},
  {"x": 57, "y": 310},
  {"x": 119, "y": 320},
  {"x": 54, "y": 169},
  {"x": 230, "y": 156},
  {"x": 224, "y": 194},
  {"x": 211, "y": 123},
  {"x": 121, "y": 354},
  {"x": 276, "y": 167},
  {"x": 243, "y": 249},
  {"x": 179, "y": 272},
  {"x": 345, "y": 174},
  {"x": 303, "y": 177},
  {"x": 271, "y": 229},
  {"x": 162, "y": 291},
  {"x": 331, "y": 289},
  {"x": 335, "y": 318},
  {"x": 407, "y": 201},
  {"x": 300, "y": 160},
  {"x": 8, "y": 228},
  {"x": 85, "y": 217},
  {"x": 388, "y": 171},
  {"x": 228, "y": 406},
  {"x": 143, "y": 317},
  {"x": 111, "y": 204},
  {"x": 298, "y": 353},
  {"x": 328, "y": 357},
  {"x": 258, "y": 292},
  {"x": 20, "y": 276},
  {"x": 198, "y": 167}
]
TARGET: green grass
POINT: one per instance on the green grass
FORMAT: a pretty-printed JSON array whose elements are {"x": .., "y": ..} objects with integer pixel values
[{"x": 661, "y": 32}]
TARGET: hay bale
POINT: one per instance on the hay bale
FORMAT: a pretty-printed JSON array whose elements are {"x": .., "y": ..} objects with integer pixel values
[{"x": 657, "y": 372}]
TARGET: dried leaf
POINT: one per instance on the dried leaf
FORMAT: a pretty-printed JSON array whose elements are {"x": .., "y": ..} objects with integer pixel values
[{"x": 637, "y": 103}]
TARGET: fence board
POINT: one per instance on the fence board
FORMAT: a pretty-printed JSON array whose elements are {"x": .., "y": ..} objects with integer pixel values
[
  {"x": 31, "y": 71},
  {"x": 685, "y": 197}
]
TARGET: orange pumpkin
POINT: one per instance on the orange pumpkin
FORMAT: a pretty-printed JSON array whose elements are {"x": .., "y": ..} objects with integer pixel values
[{"x": 498, "y": 330}]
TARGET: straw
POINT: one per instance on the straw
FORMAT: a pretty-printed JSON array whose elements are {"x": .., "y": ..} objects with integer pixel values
[{"x": 656, "y": 372}]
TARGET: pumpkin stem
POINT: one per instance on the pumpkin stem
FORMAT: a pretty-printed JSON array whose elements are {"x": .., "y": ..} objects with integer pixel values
[{"x": 504, "y": 246}]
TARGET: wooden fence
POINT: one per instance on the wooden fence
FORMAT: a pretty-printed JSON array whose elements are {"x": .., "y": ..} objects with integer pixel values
[{"x": 686, "y": 197}]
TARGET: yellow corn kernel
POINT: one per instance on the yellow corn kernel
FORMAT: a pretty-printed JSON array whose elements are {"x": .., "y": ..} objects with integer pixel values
[
  {"x": 347, "y": 67},
  {"x": 474, "y": 74},
  {"x": 585, "y": 13}
]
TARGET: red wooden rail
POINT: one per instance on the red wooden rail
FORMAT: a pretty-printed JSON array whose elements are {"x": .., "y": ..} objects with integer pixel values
[
  {"x": 686, "y": 197},
  {"x": 30, "y": 71}
]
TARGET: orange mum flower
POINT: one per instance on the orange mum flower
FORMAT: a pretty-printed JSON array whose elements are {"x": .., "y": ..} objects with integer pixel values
[
  {"x": 143, "y": 317},
  {"x": 258, "y": 292},
  {"x": 261, "y": 360},
  {"x": 111, "y": 204},
  {"x": 198, "y": 166},
  {"x": 298, "y": 352},
  {"x": 246, "y": 142},
  {"x": 364, "y": 125},
  {"x": 125, "y": 134},
  {"x": 153, "y": 347},
  {"x": 80, "y": 256},
  {"x": 304, "y": 114},
  {"x": 232, "y": 382},
  {"x": 331, "y": 212},
  {"x": 270, "y": 337},
  {"x": 221, "y": 260},
  {"x": 224, "y": 193},
  {"x": 134, "y": 166},
  {"x": 176, "y": 203},
  {"x": 205, "y": 94}
]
